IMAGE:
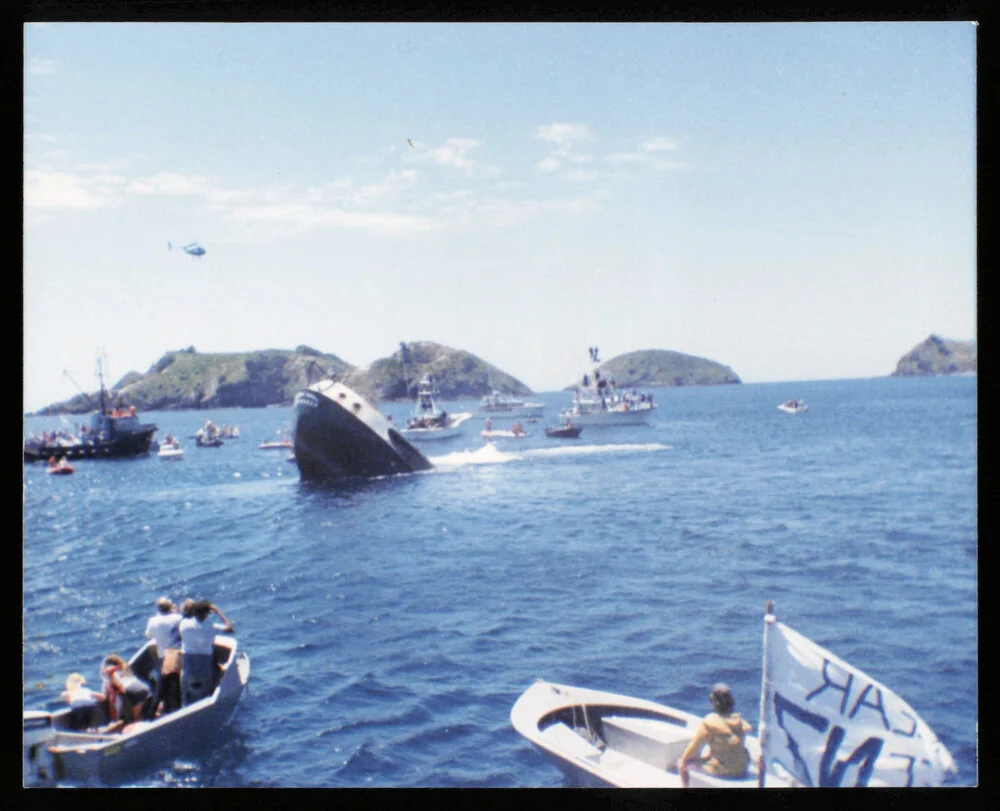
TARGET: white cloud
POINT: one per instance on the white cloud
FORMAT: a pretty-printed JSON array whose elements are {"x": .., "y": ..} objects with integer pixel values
[
  {"x": 549, "y": 164},
  {"x": 626, "y": 157},
  {"x": 564, "y": 135},
  {"x": 582, "y": 175},
  {"x": 41, "y": 67},
  {"x": 668, "y": 165},
  {"x": 52, "y": 190},
  {"x": 658, "y": 144},
  {"x": 304, "y": 217}
]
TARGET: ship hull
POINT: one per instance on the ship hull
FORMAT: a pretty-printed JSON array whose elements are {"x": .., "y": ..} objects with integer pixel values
[{"x": 338, "y": 435}]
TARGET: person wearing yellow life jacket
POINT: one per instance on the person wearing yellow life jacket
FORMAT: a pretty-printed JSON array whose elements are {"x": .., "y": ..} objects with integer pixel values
[{"x": 723, "y": 731}]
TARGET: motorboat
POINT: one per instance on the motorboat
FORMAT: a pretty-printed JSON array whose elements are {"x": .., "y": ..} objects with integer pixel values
[
  {"x": 805, "y": 737},
  {"x": 567, "y": 431},
  {"x": 339, "y": 434},
  {"x": 60, "y": 468},
  {"x": 497, "y": 404},
  {"x": 598, "y": 402},
  {"x": 276, "y": 445},
  {"x": 170, "y": 449},
  {"x": 428, "y": 421},
  {"x": 203, "y": 441},
  {"x": 115, "y": 432},
  {"x": 54, "y": 749},
  {"x": 601, "y": 739},
  {"x": 793, "y": 407}
]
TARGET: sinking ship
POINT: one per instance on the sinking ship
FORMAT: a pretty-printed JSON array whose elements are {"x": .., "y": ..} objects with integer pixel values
[{"x": 340, "y": 435}]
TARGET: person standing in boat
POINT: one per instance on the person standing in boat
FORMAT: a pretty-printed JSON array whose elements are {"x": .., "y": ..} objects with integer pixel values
[
  {"x": 723, "y": 731},
  {"x": 164, "y": 629},
  {"x": 197, "y": 647}
]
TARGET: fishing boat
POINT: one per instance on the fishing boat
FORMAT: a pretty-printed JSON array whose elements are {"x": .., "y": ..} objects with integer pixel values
[
  {"x": 497, "y": 404},
  {"x": 338, "y": 434},
  {"x": 567, "y": 431},
  {"x": 793, "y": 407},
  {"x": 115, "y": 432},
  {"x": 597, "y": 402},
  {"x": 428, "y": 421},
  {"x": 807, "y": 737},
  {"x": 202, "y": 441},
  {"x": 54, "y": 750}
]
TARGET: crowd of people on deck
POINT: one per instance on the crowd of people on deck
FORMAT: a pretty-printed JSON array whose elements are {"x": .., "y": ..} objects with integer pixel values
[
  {"x": 611, "y": 397},
  {"x": 184, "y": 670}
]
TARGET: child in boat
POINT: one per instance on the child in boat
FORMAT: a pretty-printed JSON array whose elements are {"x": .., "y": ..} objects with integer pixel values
[{"x": 82, "y": 701}]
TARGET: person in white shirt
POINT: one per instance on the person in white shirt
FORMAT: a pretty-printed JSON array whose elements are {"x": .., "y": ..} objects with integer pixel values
[
  {"x": 197, "y": 641},
  {"x": 82, "y": 701},
  {"x": 163, "y": 628}
]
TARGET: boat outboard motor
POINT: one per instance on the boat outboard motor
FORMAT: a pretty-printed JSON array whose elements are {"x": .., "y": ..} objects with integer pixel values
[{"x": 38, "y": 731}]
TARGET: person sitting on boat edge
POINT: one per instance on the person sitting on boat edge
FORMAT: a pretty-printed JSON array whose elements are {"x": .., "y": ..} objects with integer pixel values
[
  {"x": 82, "y": 701},
  {"x": 723, "y": 731},
  {"x": 197, "y": 648},
  {"x": 163, "y": 628}
]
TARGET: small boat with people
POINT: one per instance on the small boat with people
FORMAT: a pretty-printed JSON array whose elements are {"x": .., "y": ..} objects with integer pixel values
[
  {"x": 170, "y": 449},
  {"x": 59, "y": 467},
  {"x": 429, "y": 422},
  {"x": 114, "y": 433},
  {"x": 498, "y": 404},
  {"x": 62, "y": 745},
  {"x": 338, "y": 435},
  {"x": 793, "y": 407},
  {"x": 806, "y": 739},
  {"x": 599, "y": 402},
  {"x": 208, "y": 436},
  {"x": 516, "y": 431},
  {"x": 567, "y": 431}
]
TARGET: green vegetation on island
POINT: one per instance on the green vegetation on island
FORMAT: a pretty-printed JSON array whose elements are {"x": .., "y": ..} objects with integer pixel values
[
  {"x": 188, "y": 379},
  {"x": 937, "y": 356},
  {"x": 653, "y": 368}
]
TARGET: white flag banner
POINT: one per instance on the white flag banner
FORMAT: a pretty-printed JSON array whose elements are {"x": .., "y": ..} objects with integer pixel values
[{"x": 829, "y": 724}]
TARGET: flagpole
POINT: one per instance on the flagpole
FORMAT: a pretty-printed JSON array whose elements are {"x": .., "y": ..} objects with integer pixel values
[{"x": 763, "y": 732}]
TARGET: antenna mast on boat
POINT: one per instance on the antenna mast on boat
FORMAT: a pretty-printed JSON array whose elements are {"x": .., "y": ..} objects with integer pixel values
[
  {"x": 100, "y": 378},
  {"x": 403, "y": 355}
]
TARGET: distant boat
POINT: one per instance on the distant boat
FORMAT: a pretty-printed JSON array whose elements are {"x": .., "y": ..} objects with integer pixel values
[
  {"x": 275, "y": 445},
  {"x": 339, "y": 434},
  {"x": 598, "y": 403},
  {"x": 428, "y": 421},
  {"x": 60, "y": 468},
  {"x": 170, "y": 450},
  {"x": 793, "y": 407},
  {"x": 115, "y": 432},
  {"x": 497, "y": 404},
  {"x": 568, "y": 431}
]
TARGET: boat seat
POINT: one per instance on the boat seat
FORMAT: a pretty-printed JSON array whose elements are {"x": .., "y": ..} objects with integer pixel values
[
  {"x": 564, "y": 739},
  {"x": 658, "y": 743}
]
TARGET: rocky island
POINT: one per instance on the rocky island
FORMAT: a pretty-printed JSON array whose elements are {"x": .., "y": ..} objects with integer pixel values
[
  {"x": 937, "y": 356},
  {"x": 187, "y": 379},
  {"x": 652, "y": 368}
]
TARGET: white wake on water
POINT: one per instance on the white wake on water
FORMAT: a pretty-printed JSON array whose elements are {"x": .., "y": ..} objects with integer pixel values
[{"x": 489, "y": 454}]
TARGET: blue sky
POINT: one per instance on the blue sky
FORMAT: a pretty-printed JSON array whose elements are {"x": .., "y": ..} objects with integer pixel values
[{"x": 796, "y": 201}]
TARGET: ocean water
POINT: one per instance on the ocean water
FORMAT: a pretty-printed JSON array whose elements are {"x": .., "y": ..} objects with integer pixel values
[{"x": 391, "y": 625}]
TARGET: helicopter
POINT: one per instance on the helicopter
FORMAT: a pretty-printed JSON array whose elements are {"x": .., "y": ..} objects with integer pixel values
[{"x": 194, "y": 249}]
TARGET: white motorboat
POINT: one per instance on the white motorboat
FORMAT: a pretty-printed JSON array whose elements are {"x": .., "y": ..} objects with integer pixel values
[
  {"x": 806, "y": 737},
  {"x": 428, "y": 421},
  {"x": 793, "y": 407},
  {"x": 497, "y": 404},
  {"x": 54, "y": 750},
  {"x": 597, "y": 402},
  {"x": 601, "y": 739},
  {"x": 170, "y": 449}
]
